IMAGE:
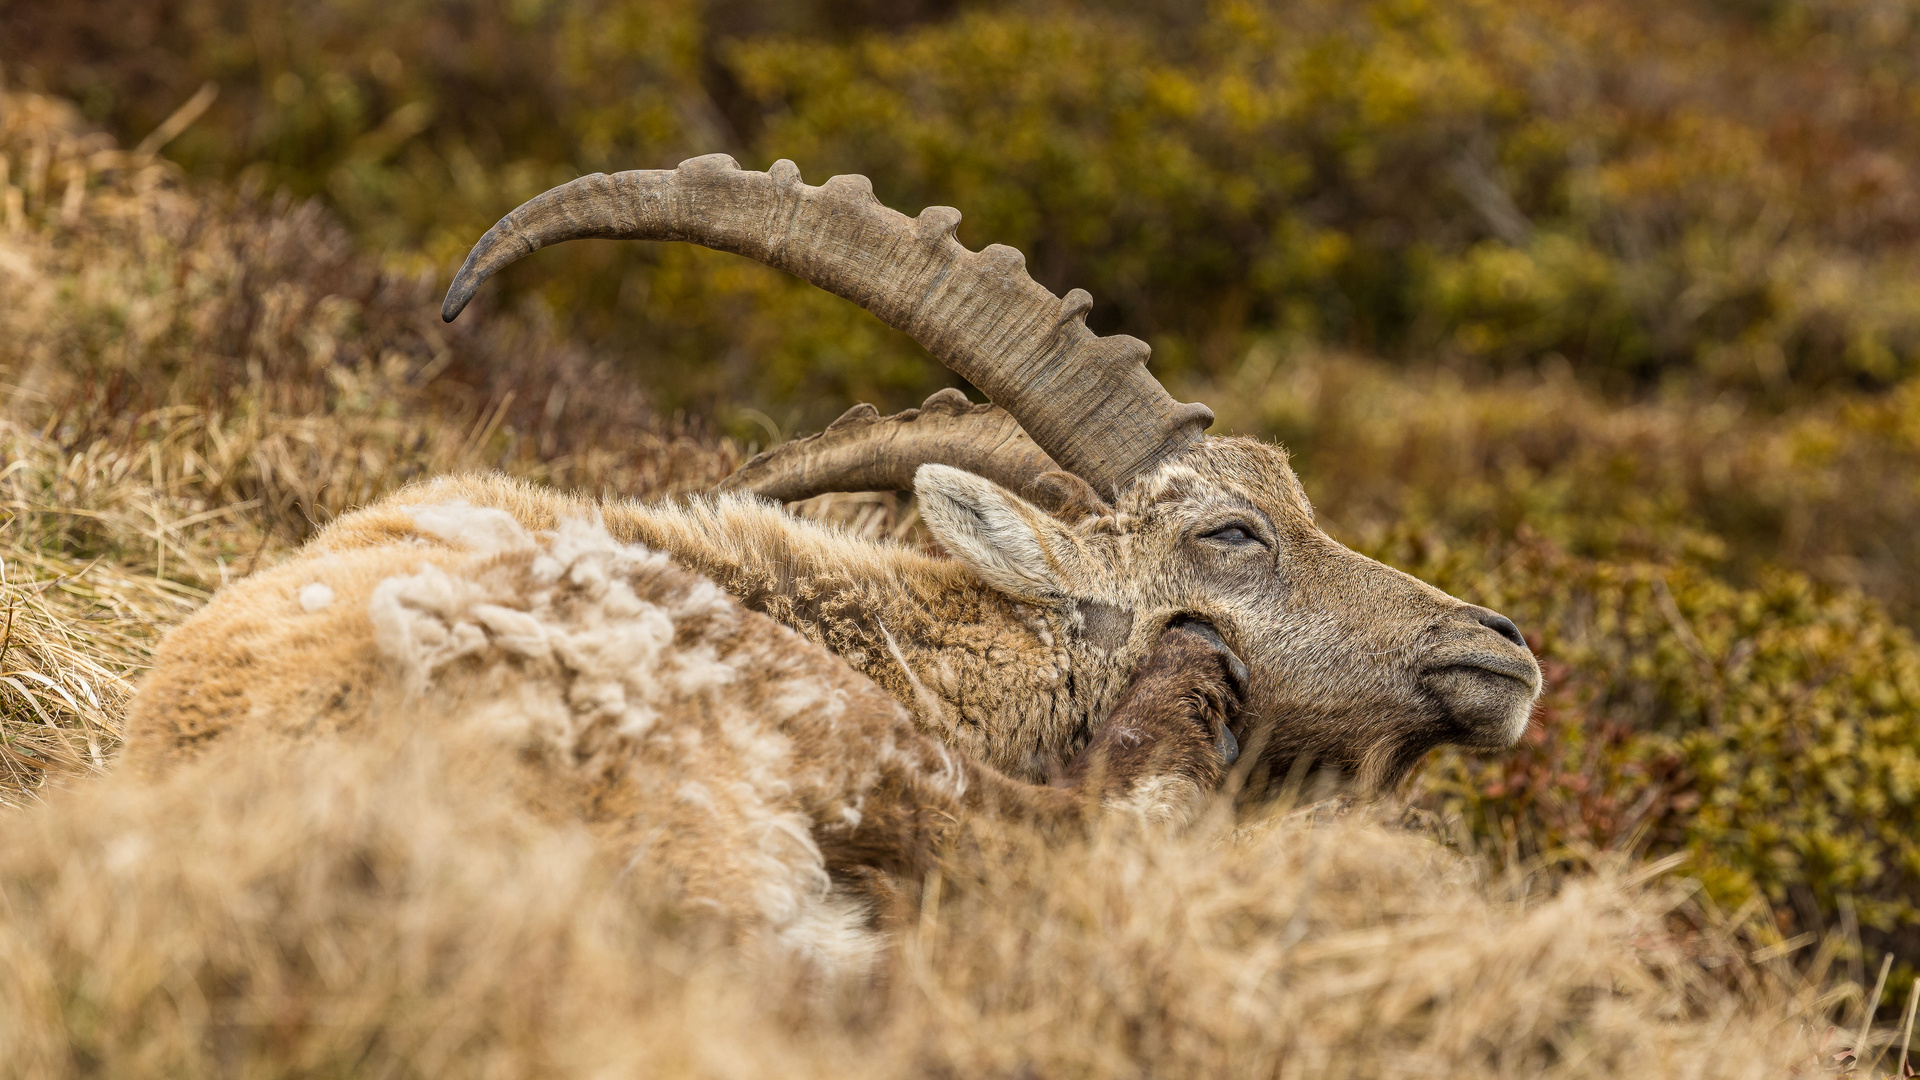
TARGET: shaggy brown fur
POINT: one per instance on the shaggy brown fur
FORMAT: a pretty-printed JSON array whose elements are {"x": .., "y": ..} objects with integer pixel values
[{"x": 642, "y": 699}]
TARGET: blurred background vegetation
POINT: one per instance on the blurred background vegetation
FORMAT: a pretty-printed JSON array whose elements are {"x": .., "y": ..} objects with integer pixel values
[{"x": 1603, "y": 312}]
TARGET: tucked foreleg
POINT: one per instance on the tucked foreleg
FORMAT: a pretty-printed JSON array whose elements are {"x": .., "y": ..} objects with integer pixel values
[
  {"x": 1159, "y": 753},
  {"x": 1169, "y": 739}
]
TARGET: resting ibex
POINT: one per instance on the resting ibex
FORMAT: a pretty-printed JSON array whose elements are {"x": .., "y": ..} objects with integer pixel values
[
  {"x": 667, "y": 706},
  {"x": 1014, "y": 649}
]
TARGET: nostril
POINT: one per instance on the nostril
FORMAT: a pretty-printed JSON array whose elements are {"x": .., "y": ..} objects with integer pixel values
[{"x": 1499, "y": 624}]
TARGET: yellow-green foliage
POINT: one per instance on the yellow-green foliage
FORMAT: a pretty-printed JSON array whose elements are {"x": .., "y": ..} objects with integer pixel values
[
  {"x": 1631, "y": 185},
  {"x": 1495, "y": 180},
  {"x": 1771, "y": 733},
  {"x": 1641, "y": 192}
]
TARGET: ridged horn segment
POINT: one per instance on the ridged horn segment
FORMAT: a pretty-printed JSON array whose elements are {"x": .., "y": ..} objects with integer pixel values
[
  {"x": 864, "y": 451},
  {"x": 1087, "y": 401}
]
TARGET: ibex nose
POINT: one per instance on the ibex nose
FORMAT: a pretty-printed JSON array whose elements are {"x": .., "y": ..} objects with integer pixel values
[{"x": 1498, "y": 623}]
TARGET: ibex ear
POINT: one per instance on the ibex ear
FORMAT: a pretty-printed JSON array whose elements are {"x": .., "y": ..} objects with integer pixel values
[{"x": 1011, "y": 544}]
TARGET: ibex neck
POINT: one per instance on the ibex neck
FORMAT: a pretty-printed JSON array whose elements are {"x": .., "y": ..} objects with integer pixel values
[{"x": 1004, "y": 681}]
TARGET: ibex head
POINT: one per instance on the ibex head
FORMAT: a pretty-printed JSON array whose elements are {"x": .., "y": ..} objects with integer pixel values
[{"x": 1085, "y": 484}]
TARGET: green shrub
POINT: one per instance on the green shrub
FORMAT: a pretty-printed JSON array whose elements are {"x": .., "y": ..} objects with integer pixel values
[
  {"x": 1827, "y": 489},
  {"x": 1488, "y": 182},
  {"x": 1701, "y": 700},
  {"x": 1772, "y": 734}
]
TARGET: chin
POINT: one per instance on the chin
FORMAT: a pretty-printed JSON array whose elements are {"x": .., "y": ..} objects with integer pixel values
[
  {"x": 1500, "y": 732},
  {"x": 1487, "y": 711}
]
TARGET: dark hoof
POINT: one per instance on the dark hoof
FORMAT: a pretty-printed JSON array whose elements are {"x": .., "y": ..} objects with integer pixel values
[
  {"x": 1227, "y": 745},
  {"x": 1224, "y": 741},
  {"x": 1236, "y": 668}
]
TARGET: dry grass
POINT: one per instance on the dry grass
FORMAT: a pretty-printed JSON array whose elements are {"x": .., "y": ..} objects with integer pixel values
[
  {"x": 376, "y": 911},
  {"x": 73, "y": 634},
  {"x": 193, "y": 381}
]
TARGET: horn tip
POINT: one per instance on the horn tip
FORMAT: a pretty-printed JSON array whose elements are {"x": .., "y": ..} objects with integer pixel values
[
  {"x": 1194, "y": 414},
  {"x": 456, "y": 301}
]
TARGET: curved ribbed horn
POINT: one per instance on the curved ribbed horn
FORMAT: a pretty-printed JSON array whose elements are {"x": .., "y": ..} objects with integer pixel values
[
  {"x": 864, "y": 451},
  {"x": 1087, "y": 401}
]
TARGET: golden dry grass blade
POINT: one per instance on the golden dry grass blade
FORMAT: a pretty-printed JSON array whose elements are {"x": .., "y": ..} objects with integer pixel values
[
  {"x": 383, "y": 908},
  {"x": 1906, "y": 1029}
]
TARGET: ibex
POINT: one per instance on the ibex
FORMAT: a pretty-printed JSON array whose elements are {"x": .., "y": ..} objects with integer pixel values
[
  {"x": 1067, "y": 644},
  {"x": 1012, "y": 651}
]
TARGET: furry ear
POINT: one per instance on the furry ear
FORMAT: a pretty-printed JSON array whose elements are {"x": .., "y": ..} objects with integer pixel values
[{"x": 1009, "y": 543}]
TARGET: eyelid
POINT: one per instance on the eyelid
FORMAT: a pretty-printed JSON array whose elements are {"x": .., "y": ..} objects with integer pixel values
[{"x": 1252, "y": 534}]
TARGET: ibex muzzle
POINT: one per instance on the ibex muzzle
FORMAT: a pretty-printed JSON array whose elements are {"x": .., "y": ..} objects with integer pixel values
[{"x": 1085, "y": 487}]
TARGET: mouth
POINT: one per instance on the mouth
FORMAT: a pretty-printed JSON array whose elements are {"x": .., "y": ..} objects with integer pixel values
[
  {"x": 1489, "y": 698},
  {"x": 1524, "y": 672}
]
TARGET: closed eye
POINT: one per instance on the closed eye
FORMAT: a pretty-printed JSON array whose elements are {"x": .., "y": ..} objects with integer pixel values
[{"x": 1235, "y": 533}]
